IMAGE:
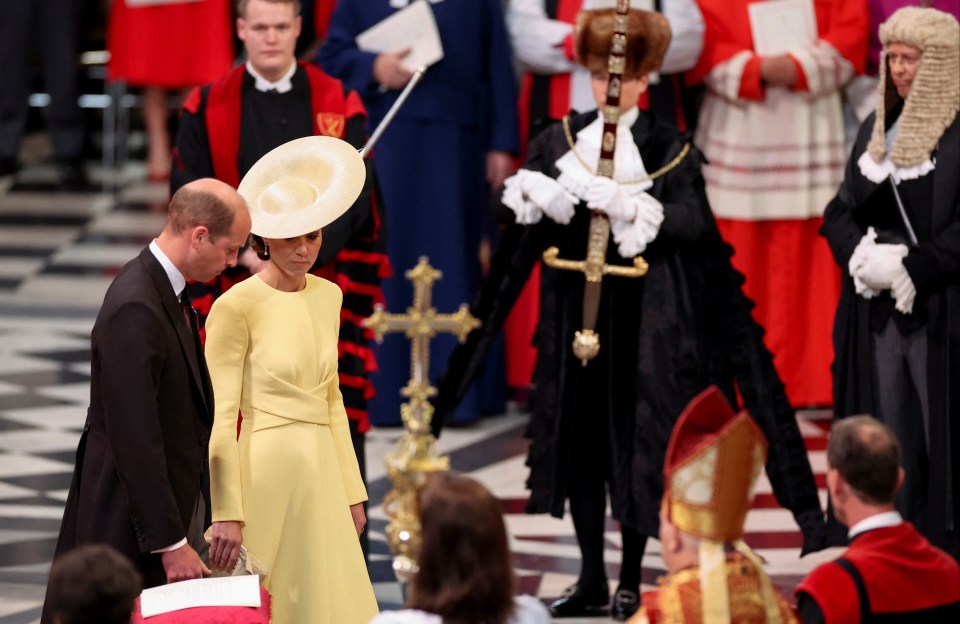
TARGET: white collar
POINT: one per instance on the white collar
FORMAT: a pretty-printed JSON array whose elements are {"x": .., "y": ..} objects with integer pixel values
[
  {"x": 281, "y": 86},
  {"x": 177, "y": 280},
  {"x": 627, "y": 163},
  {"x": 879, "y": 521}
]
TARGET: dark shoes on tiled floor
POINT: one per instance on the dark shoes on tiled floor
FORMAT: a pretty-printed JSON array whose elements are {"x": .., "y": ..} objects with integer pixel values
[
  {"x": 577, "y": 603},
  {"x": 625, "y": 603}
]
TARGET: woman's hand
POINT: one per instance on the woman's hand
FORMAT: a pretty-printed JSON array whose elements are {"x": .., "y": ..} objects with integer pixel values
[
  {"x": 359, "y": 518},
  {"x": 225, "y": 544}
]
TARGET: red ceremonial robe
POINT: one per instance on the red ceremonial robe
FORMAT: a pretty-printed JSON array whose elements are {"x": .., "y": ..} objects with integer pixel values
[
  {"x": 904, "y": 577},
  {"x": 775, "y": 158}
]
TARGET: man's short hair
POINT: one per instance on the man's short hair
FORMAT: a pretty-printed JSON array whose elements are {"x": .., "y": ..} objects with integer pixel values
[
  {"x": 190, "y": 207},
  {"x": 242, "y": 6},
  {"x": 93, "y": 584},
  {"x": 866, "y": 453}
]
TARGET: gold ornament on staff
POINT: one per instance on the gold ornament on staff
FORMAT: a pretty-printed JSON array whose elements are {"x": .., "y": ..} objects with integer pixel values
[
  {"x": 415, "y": 455},
  {"x": 586, "y": 342}
]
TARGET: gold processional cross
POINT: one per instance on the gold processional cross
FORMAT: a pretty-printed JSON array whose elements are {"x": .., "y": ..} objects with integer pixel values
[{"x": 414, "y": 457}]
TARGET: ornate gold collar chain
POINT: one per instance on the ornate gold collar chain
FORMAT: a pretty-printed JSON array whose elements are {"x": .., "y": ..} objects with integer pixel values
[{"x": 648, "y": 178}]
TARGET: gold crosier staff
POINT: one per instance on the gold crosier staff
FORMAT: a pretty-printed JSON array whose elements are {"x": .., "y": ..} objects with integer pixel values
[{"x": 586, "y": 342}]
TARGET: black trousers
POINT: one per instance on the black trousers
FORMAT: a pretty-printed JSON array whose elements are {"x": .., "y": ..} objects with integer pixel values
[
  {"x": 50, "y": 28},
  {"x": 902, "y": 403}
]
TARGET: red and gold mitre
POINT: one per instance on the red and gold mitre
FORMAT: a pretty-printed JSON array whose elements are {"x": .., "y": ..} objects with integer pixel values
[
  {"x": 713, "y": 461},
  {"x": 712, "y": 464}
]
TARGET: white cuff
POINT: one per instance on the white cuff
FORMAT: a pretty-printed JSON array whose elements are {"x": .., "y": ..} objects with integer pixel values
[
  {"x": 859, "y": 252},
  {"x": 182, "y": 542},
  {"x": 525, "y": 212},
  {"x": 862, "y": 289},
  {"x": 903, "y": 291}
]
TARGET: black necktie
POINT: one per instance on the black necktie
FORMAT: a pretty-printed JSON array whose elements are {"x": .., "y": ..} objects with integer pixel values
[
  {"x": 190, "y": 314},
  {"x": 192, "y": 318}
]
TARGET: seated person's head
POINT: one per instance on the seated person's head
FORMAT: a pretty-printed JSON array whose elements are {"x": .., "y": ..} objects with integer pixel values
[
  {"x": 863, "y": 460},
  {"x": 648, "y": 36},
  {"x": 93, "y": 584},
  {"x": 465, "y": 573}
]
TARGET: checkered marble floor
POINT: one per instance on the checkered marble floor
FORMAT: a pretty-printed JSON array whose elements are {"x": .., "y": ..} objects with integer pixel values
[{"x": 59, "y": 252}]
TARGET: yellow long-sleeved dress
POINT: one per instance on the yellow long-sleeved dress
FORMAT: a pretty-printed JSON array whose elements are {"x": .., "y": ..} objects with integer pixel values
[{"x": 292, "y": 474}]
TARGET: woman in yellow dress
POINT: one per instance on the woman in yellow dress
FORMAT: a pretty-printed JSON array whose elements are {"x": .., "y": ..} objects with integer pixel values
[{"x": 288, "y": 487}]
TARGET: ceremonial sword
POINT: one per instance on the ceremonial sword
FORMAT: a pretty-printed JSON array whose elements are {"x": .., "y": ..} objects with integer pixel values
[{"x": 586, "y": 342}]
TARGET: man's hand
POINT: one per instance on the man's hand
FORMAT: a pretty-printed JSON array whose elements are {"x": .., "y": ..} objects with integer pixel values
[
  {"x": 183, "y": 564},
  {"x": 388, "y": 69},
  {"x": 359, "y": 518},
  {"x": 225, "y": 545},
  {"x": 778, "y": 71},
  {"x": 499, "y": 167}
]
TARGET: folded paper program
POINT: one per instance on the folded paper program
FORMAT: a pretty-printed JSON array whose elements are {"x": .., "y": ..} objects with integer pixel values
[{"x": 246, "y": 562}]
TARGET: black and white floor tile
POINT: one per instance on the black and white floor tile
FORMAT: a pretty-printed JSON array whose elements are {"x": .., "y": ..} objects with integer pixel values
[{"x": 59, "y": 252}]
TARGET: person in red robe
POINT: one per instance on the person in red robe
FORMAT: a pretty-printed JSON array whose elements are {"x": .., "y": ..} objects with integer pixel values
[
  {"x": 890, "y": 570},
  {"x": 272, "y": 99},
  {"x": 771, "y": 128}
]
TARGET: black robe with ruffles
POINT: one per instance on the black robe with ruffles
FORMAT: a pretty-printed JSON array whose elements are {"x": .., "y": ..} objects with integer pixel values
[
  {"x": 934, "y": 268},
  {"x": 664, "y": 338}
]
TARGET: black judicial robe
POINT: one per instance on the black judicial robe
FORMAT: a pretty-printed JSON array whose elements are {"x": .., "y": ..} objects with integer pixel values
[
  {"x": 934, "y": 267},
  {"x": 664, "y": 338}
]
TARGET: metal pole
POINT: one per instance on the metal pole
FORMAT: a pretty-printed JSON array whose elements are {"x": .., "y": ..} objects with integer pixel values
[{"x": 393, "y": 111}]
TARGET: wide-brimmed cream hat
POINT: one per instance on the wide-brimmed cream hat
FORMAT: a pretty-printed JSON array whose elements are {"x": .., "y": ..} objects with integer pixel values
[{"x": 301, "y": 186}]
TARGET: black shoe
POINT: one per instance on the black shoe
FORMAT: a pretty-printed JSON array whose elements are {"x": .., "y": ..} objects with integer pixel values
[
  {"x": 575, "y": 603},
  {"x": 625, "y": 604}
]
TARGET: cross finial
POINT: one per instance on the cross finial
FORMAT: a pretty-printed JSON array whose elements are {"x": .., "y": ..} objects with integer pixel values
[{"x": 415, "y": 456}]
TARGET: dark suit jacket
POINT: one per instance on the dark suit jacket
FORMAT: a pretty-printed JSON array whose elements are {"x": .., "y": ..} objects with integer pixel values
[{"x": 142, "y": 454}]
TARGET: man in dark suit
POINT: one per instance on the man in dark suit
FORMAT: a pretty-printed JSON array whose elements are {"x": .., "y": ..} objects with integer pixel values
[{"x": 142, "y": 456}]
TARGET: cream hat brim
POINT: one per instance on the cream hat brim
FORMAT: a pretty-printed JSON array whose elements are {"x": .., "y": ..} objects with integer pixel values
[{"x": 302, "y": 186}]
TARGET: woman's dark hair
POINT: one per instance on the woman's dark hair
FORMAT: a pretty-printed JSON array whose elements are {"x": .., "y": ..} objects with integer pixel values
[
  {"x": 465, "y": 575},
  {"x": 256, "y": 242}
]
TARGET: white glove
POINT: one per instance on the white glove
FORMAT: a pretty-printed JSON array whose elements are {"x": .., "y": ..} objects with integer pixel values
[
  {"x": 547, "y": 195},
  {"x": 881, "y": 264},
  {"x": 606, "y": 195},
  {"x": 632, "y": 237},
  {"x": 856, "y": 260},
  {"x": 526, "y": 213}
]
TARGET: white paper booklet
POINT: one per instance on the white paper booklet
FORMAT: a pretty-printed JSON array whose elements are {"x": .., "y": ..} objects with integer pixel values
[
  {"x": 227, "y": 591},
  {"x": 779, "y": 26},
  {"x": 412, "y": 27}
]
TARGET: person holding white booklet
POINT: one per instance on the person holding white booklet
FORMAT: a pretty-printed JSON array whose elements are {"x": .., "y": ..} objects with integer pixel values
[{"x": 771, "y": 128}]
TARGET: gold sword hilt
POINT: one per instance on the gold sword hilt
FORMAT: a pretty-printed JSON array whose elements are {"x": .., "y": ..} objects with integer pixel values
[{"x": 552, "y": 259}]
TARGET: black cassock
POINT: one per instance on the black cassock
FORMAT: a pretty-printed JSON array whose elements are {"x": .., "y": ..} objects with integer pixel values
[{"x": 664, "y": 338}]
